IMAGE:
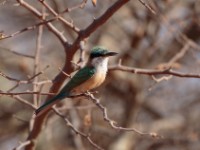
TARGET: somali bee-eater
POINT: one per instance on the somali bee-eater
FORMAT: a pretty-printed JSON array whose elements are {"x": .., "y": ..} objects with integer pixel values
[{"x": 87, "y": 78}]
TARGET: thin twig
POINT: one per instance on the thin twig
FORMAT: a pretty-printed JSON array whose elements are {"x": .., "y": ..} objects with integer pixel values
[
  {"x": 17, "y": 53},
  {"x": 24, "y": 93},
  {"x": 52, "y": 28},
  {"x": 59, "y": 17},
  {"x": 81, "y": 5},
  {"x": 29, "y": 80},
  {"x": 99, "y": 21},
  {"x": 76, "y": 107},
  {"x": 20, "y": 118},
  {"x": 23, "y": 101},
  {"x": 179, "y": 55},
  {"x": 166, "y": 78},
  {"x": 69, "y": 124},
  {"x": 180, "y": 37},
  {"x": 42, "y": 82},
  {"x": 28, "y": 28},
  {"x": 113, "y": 123},
  {"x": 81, "y": 58},
  {"x": 56, "y": 17},
  {"x": 37, "y": 58},
  {"x": 22, "y": 145},
  {"x": 70, "y": 50},
  {"x": 67, "y": 75},
  {"x": 167, "y": 71},
  {"x": 149, "y": 7}
]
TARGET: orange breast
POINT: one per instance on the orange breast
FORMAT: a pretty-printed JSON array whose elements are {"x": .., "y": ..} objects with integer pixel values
[{"x": 92, "y": 83}]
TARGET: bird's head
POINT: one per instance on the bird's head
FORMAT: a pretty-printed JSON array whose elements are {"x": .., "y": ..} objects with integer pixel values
[
  {"x": 100, "y": 52},
  {"x": 99, "y": 56}
]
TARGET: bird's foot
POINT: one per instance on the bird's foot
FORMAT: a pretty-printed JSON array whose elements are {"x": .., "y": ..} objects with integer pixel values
[{"x": 88, "y": 93}]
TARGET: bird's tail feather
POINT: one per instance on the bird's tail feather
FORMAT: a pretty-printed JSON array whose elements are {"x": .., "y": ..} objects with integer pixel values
[{"x": 46, "y": 106}]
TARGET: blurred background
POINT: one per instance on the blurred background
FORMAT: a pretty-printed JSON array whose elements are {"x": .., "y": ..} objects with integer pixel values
[{"x": 169, "y": 107}]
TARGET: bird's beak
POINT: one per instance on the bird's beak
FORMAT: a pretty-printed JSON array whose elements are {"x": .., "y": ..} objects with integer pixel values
[{"x": 111, "y": 54}]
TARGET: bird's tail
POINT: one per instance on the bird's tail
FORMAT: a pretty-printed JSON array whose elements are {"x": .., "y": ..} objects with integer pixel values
[{"x": 47, "y": 105}]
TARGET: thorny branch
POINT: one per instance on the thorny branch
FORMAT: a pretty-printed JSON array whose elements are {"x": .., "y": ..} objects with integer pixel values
[
  {"x": 51, "y": 27},
  {"x": 23, "y": 81},
  {"x": 70, "y": 50},
  {"x": 24, "y": 93},
  {"x": 182, "y": 38},
  {"x": 23, "y": 101},
  {"x": 82, "y": 34},
  {"x": 27, "y": 29},
  {"x": 58, "y": 16},
  {"x": 69, "y": 124},
  {"x": 151, "y": 72},
  {"x": 23, "y": 144},
  {"x": 16, "y": 53},
  {"x": 113, "y": 123},
  {"x": 36, "y": 66}
]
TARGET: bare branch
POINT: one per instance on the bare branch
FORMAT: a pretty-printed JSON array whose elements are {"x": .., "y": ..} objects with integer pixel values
[
  {"x": 24, "y": 93},
  {"x": 45, "y": 22},
  {"x": 167, "y": 71},
  {"x": 22, "y": 145},
  {"x": 28, "y": 81},
  {"x": 23, "y": 81},
  {"x": 63, "y": 20},
  {"x": 37, "y": 58},
  {"x": 70, "y": 50},
  {"x": 182, "y": 38},
  {"x": 69, "y": 124},
  {"x": 59, "y": 35},
  {"x": 20, "y": 118},
  {"x": 148, "y": 7},
  {"x": 17, "y": 53},
  {"x": 27, "y": 29},
  {"x": 81, "y": 5},
  {"x": 179, "y": 55},
  {"x": 23, "y": 101},
  {"x": 161, "y": 79},
  {"x": 99, "y": 21},
  {"x": 113, "y": 123}
]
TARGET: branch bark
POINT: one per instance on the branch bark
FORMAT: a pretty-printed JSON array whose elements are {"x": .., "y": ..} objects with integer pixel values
[
  {"x": 70, "y": 50},
  {"x": 167, "y": 71}
]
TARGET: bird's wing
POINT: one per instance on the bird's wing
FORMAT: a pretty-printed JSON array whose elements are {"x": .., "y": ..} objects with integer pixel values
[{"x": 80, "y": 77}]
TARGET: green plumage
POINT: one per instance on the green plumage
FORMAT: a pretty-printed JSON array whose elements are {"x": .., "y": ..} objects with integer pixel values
[{"x": 80, "y": 77}]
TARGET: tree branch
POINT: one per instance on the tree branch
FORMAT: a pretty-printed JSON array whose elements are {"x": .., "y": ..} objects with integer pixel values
[
  {"x": 22, "y": 145},
  {"x": 167, "y": 71},
  {"x": 69, "y": 124},
  {"x": 113, "y": 123},
  {"x": 63, "y": 20},
  {"x": 70, "y": 51},
  {"x": 36, "y": 13},
  {"x": 16, "y": 53},
  {"x": 24, "y": 93},
  {"x": 100, "y": 21}
]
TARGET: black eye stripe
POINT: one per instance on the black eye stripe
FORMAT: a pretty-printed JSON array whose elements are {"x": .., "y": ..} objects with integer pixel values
[{"x": 96, "y": 55}]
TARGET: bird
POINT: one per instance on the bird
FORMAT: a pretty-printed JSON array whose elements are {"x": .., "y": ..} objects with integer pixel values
[{"x": 89, "y": 77}]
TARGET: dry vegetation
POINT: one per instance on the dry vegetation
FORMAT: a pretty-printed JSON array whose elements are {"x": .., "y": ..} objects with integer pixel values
[{"x": 150, "y": 99}]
